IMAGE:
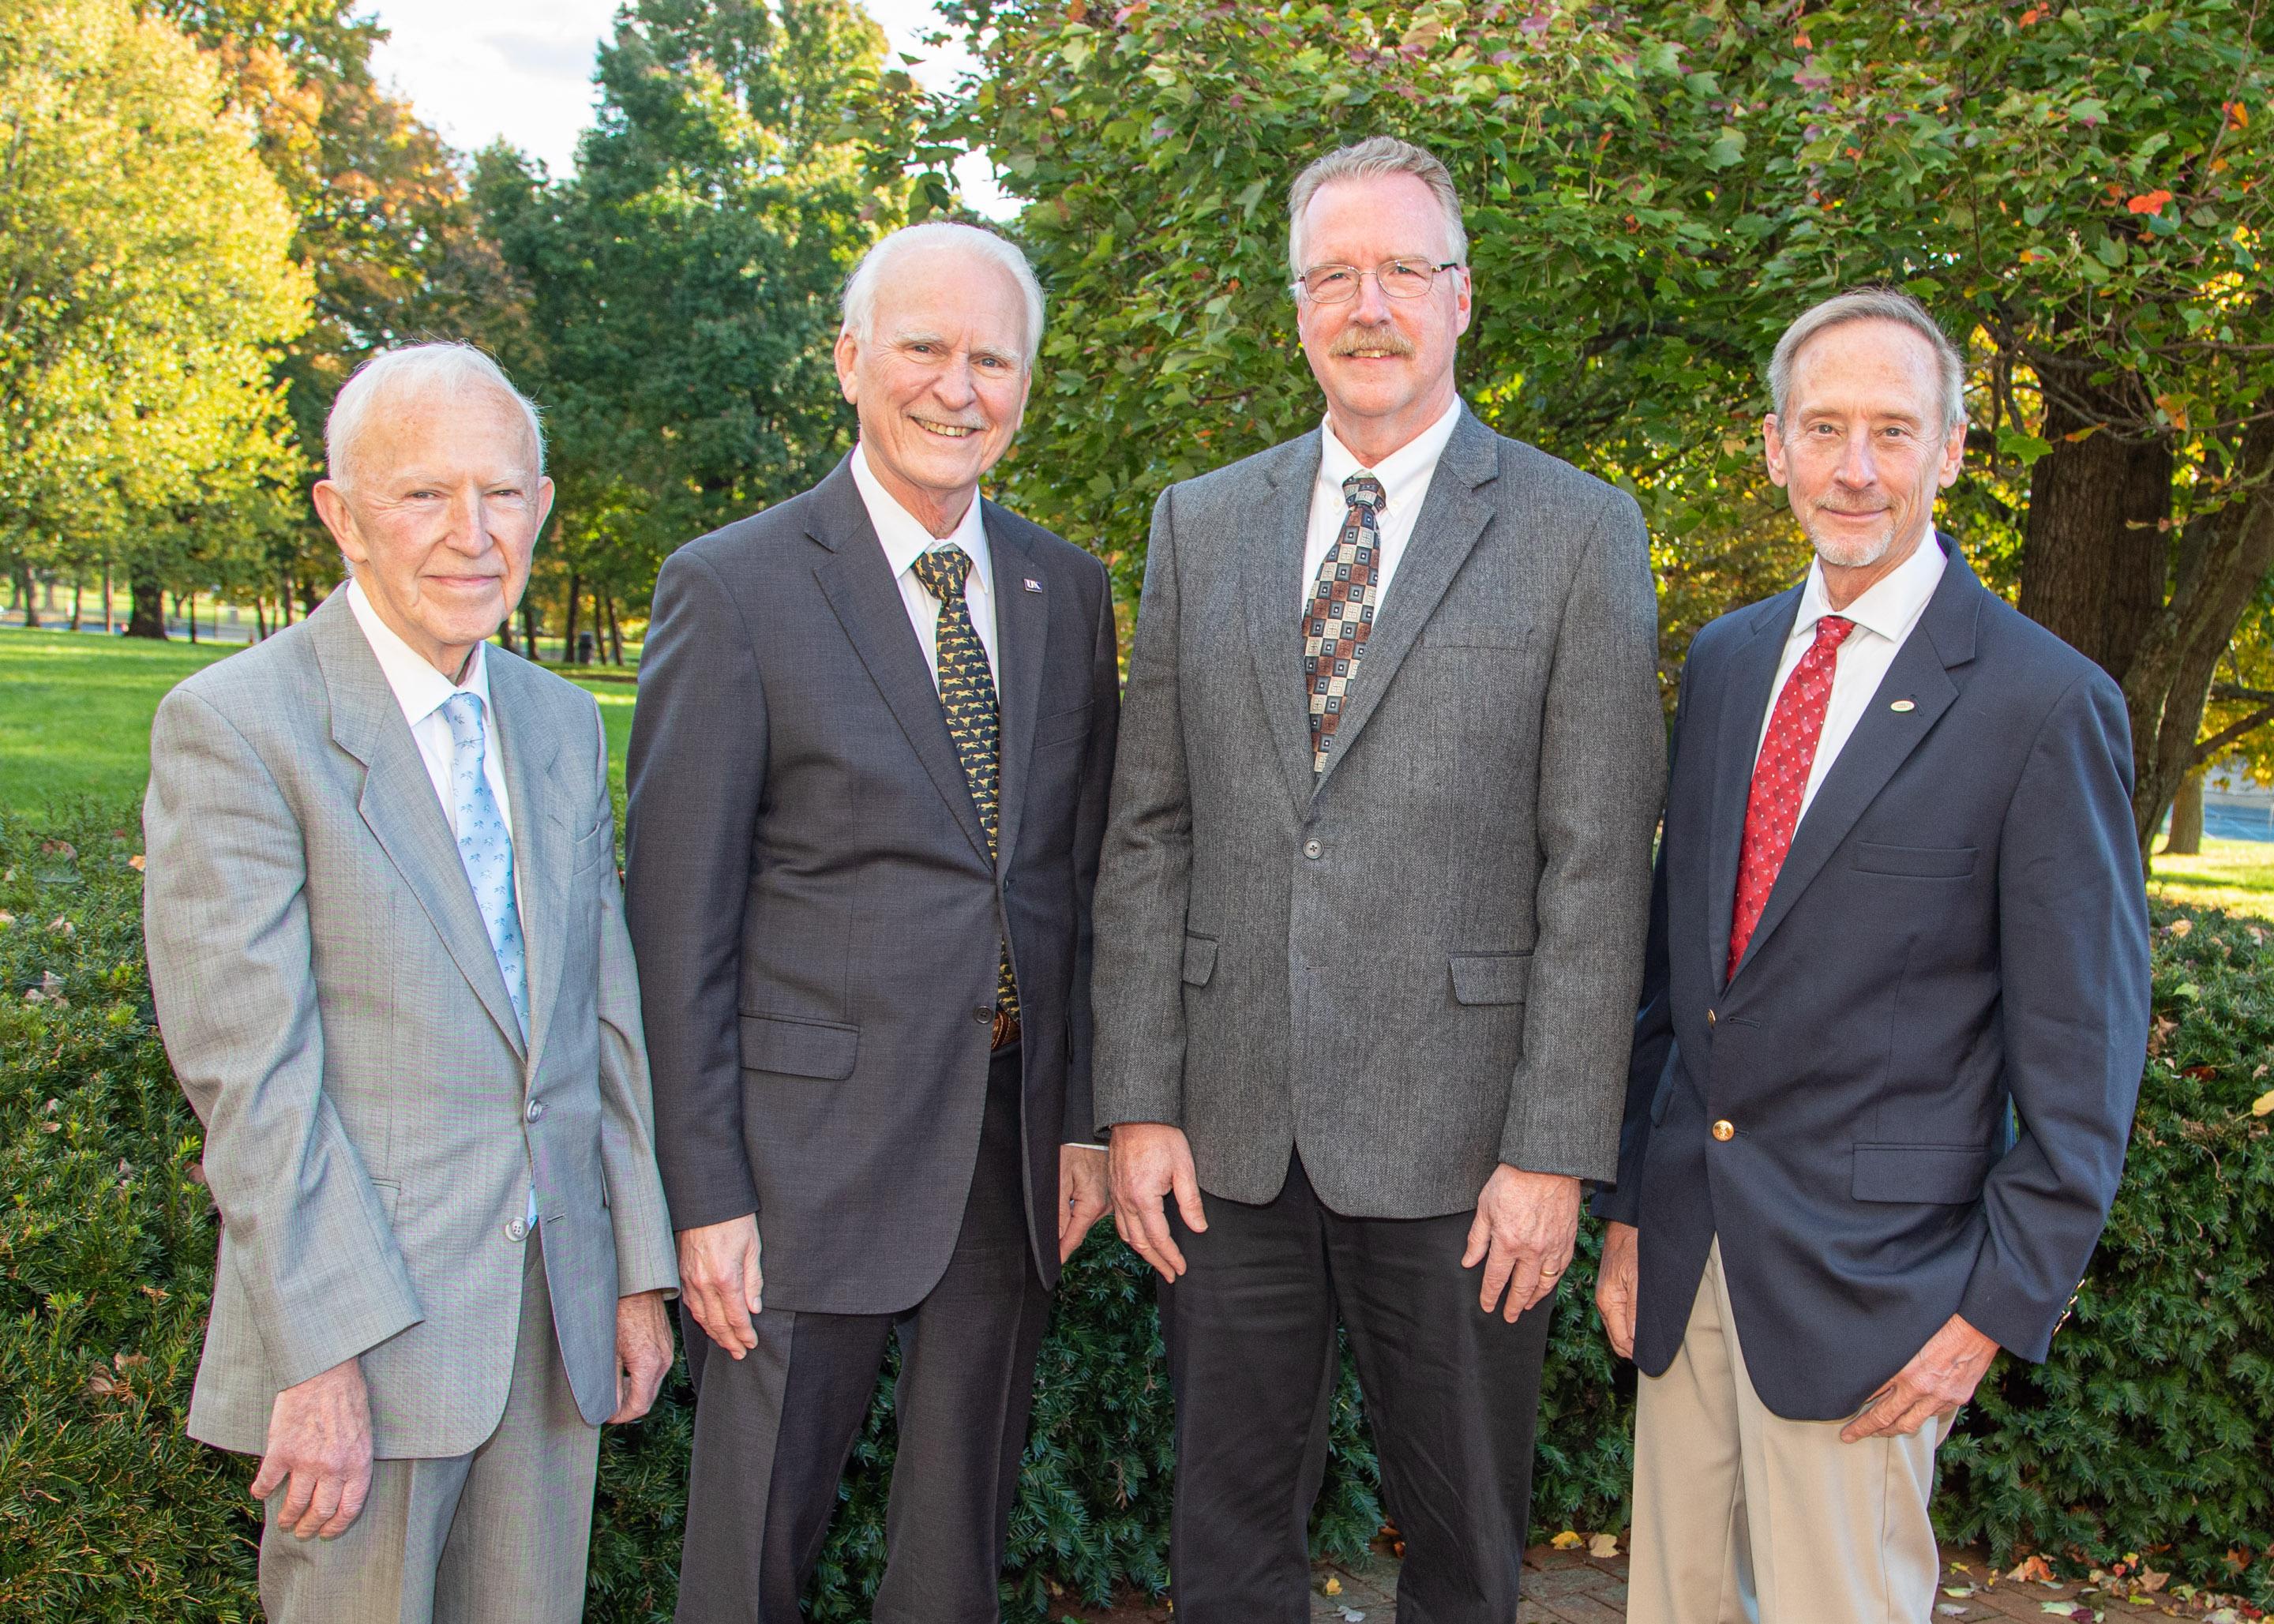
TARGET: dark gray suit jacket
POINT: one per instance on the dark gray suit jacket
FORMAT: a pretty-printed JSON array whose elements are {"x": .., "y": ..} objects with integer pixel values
[
  {"x": 1959, "y": 927},
  {"x": 809, "y": 893},
  {"x": 1417, "y": 967}
]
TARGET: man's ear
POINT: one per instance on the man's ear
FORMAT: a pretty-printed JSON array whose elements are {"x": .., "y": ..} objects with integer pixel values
[
  {"x": 1773, "y": 448},
  {"x": 332, "y": 509},
  {"x": 847, "y": 355}
]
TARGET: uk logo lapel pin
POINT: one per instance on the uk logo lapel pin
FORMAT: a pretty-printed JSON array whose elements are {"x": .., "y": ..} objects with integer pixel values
[{"x": 1032, "y": 585}]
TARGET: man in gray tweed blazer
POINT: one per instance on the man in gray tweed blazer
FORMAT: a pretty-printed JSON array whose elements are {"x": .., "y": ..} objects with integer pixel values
[
  {"x": 1370, "y": 920},
  {"x": 388, "y": 952}
]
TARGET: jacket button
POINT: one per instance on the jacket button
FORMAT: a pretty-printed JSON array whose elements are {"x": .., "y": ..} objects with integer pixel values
[
  {"x": 517, "y": 1231},
  {"x": 1725, "y": 1130},
  {"x": 1709, "y": 1018},
  {"x": 983, "y": 1015},
  {"x": 1312, "y": 849},
  {"x": 536, "y": 1109}
]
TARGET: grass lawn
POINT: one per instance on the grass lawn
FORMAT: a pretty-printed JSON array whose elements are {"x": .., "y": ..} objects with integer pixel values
[
  {"x": 75, "y": 713},
  {"x": 2235, "y": 875}
]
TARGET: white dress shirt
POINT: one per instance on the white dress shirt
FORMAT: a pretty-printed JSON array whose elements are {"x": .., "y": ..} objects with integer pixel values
[
  {"x": 1884, "y": 616},
  {"x": 1405, "y": 475},
  {"x": 905, "y": 540}
]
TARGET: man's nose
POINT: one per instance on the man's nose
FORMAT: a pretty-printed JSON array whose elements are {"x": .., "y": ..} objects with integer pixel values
[
  {"x": 957, "y": 387},
  {"x": 1857, "y": 464},
  {"x": 1372, "y": 306},
  {"x": 470, "y": 522}
]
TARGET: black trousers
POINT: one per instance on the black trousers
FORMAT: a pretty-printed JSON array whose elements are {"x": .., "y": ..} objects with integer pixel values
[
  {"x": 1452, "y": 1394},
  {"x": 773, "y": 1430}
]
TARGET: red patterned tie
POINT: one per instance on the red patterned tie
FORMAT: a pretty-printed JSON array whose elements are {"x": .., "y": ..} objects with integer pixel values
[{"x": 1779, "y": 778}]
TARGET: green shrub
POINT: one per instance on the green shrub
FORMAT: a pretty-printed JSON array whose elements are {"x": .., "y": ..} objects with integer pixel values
[{"x": 2145, "y": 1433}]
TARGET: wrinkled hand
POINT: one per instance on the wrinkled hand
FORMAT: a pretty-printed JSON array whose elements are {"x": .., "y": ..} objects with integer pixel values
[
  {"x": 1941, "y": 1377},
  {"x": 1616, "y": 1289},
  {"x": 719, "y": 1279},
  {"x": 320, "y": 1453},
  {"x": 1147, "y": 1162},
  {"x": 643, "y": 1353},
  {"x": 1082, "y": 1195},
  {"x": 1525, "y": 1229}
]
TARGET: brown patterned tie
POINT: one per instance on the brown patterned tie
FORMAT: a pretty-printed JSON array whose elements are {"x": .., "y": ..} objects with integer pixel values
[
  {"x": 1341, "y": 613},
  {"x": 966, "y": 694}
]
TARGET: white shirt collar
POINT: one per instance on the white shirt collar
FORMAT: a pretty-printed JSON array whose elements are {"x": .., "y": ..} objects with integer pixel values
[
  {"x": 1891, "y": 606},
  {"x": 1405, "y": 473},
  {"x": 903, "y": 536},
  {"x": 418, "y": 687}
]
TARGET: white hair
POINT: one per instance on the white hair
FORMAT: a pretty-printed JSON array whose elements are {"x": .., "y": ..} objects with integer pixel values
[
  {"x": 443, "y": 368},
  {"x": 1871, "y": 305},
  {"x": 860, "y": 302},
  {"x": 1379, "y": 155}
]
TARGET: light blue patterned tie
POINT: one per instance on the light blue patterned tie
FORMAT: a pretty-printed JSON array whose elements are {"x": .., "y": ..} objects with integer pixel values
[{"x": 485, "y": 847}]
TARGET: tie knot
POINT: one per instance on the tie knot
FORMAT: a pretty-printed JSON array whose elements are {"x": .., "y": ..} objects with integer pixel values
[
  {"x": 1365, "y": 491},
  {"x": 463, "y": 710},
  {"x": 1832, "y": 630},
  {"x": 943, "y": 571}
]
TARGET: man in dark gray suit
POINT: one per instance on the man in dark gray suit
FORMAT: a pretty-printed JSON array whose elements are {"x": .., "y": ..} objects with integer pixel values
[
  {"x": 868, "y": 784},
  {"x": 1370, "y": 904}
]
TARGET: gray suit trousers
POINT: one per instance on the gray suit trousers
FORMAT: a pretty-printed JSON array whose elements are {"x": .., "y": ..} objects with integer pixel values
[{"x": 499, "y": 1535}]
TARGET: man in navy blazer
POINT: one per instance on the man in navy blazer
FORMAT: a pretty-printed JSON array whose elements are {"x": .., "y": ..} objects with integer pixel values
[{"x": 1893, "y": 1017}]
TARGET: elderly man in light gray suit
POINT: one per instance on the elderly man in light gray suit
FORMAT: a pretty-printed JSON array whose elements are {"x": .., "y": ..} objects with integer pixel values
[
  {"x": 388, "y": 949},
  {"x": 1370, "y": 911}
]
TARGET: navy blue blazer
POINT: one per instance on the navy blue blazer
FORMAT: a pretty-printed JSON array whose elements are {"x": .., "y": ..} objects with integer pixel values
[{"x": 1961, "y": 925}]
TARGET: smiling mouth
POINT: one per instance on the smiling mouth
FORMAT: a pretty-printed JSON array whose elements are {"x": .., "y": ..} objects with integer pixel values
[{"x": 947, "y": 431}]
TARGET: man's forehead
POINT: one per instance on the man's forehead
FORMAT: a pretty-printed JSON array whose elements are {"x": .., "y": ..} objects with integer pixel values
[
  {"x": 1863, "y": 363},
  {"x": 928, "y": 293},
  {"x": 432, "y": 422}
]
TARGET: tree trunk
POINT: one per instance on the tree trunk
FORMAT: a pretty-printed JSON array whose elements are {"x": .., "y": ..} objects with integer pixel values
[
  {"x": 2186, "y": 838},
  {"x": 185, "y": 605},
  {"x": 106, "y": 598},
  {"x": 25, "y": 593},
  {"x": 616, "y": 634},
  {"x": 2095, "y": 550},
  {"x": 528, "y": 631},
  {"x": 505, "y": 632},
  {"x": 259, "y": 620},
  {"x": 569, "y": 632},
  {"x": 148, "y": 617},
  {"x": 79, "y": 588}
]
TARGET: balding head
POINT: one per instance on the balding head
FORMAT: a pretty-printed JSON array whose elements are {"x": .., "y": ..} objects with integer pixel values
[{"x": 434, "y": 375}]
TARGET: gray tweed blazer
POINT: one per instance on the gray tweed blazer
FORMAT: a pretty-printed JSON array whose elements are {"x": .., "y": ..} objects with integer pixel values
[{"x": 1424, "y": 961}]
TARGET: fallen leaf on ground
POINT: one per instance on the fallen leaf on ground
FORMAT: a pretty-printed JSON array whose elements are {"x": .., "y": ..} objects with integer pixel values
[
  {"x": 1332, "y": 1587},
  {"x": 136, "y": 863},
  {"x": 2180, "y": 926},
  {"x": 1568, "y": 1540},
  {"x": 2263, "y": 1105},
  {"x": 1602, "y": 1544},
  {"x": 2033, "y": 1567}
]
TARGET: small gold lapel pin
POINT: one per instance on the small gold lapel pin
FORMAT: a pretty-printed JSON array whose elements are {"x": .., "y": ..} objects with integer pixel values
[{"x": 1902, "y": 704}]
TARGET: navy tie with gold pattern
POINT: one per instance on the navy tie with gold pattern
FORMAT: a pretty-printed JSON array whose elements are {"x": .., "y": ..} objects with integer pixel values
[
  {"x": 966, "y": 694},
  {"x": 1341, "y": 613}
]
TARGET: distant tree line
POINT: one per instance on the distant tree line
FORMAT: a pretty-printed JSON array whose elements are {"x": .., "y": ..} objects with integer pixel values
[{"x": 209, "y": 212}]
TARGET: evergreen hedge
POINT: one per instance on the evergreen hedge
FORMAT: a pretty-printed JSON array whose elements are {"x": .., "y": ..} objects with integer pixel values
[{"x": 2145, "y": 1433}]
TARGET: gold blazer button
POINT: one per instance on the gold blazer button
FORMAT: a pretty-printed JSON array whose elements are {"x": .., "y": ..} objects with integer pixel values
[{"x": 1725, "y": 1130}]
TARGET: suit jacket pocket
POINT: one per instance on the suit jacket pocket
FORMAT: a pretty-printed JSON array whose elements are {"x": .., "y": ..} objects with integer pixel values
[
  {"x": 1491, "y": 978},
  {"x": 1200, "y": 960},
  {"x": 800, "y": 1048},
  {"x": 1921, "y": 862},
  {"x": 1664, "y": 1096},
  {"x": 1914, "y": 1173},
  {"x": 1062, "y": 726}
]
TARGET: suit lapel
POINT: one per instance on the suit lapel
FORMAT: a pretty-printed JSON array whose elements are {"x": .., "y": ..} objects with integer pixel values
[
  {"x": 1884, "y": 738},
  {"x": 1452, "y": 516},
  {"x": 540, "y": 838},
  {"x": 1021, "y": 637},
  {"x": 1745, "y": 703},
  {"x": 399, "y": 807},
  {"x": 867, "y": 601},
  {"x": 1278, "y": 522}
]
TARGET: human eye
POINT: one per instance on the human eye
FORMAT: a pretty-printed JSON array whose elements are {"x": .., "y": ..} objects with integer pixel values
[
  {"x": 1330, "y": 280},
  {"x": 1406, "y": 276}
]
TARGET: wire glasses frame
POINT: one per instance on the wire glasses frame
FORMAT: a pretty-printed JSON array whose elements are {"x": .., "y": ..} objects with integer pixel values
[{"x": 1398, "y": 278}]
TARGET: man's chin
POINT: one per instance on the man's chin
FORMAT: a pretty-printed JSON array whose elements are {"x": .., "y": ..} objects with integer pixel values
[{"x": 1852, "y": 551}]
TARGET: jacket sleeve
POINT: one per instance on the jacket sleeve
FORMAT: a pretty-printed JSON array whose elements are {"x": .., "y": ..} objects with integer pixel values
[
  {"x": 645, "y": 1258},
  {"x": 1603, "y": 775},
  {"x": 696, "y": 772},
  {"x": 231, "y": 956},
  {"x": 1144, "y": 877},
  {"x": 2073, "y": 965},
  {"x": 1653, "y": 1048},
  {"x": 1088, "y": 836}
]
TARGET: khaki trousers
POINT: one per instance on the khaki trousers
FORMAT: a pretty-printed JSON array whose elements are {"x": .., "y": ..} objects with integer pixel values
[
  {"x": 496, "y": 1537},
  {"x": 1744, "y": 1517}
]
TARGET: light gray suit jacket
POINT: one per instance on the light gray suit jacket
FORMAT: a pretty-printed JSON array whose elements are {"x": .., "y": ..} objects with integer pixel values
[
  {"x": 331, "y": 1004},
  {"x": 1423, "y": 961}
]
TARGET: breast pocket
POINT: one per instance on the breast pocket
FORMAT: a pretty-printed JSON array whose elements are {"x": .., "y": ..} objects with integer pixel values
[
  {"x": 1916, "y": 863},
  {"x": 1063, "y": 728}
]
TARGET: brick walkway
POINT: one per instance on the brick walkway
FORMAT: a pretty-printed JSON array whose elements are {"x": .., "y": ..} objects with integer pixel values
[{"x": 1568, "y": 1586}]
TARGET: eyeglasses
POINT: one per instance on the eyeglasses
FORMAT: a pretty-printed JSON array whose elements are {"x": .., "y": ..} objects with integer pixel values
[{"x": 1398, "y": 278}]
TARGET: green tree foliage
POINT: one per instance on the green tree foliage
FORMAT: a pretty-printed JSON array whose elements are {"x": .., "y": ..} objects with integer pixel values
[
  {"x": 145, "y": 287},
  {"x": 681, "y": 285},
  {"x": 1656, "y": 187}
]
